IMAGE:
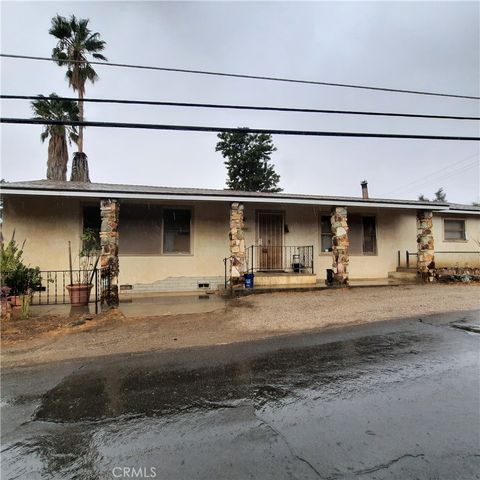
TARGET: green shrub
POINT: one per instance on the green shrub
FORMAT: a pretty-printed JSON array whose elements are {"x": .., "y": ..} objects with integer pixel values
[{"x": 20, "y": 278}]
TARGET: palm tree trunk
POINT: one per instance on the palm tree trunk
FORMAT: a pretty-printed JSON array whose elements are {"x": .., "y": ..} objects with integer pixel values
[
  {"x": 80, "y": 117},
  {"x": 80, "y": 162},
  {"x": 57, "y": 158},
  {"x": 80, "y": 168}
]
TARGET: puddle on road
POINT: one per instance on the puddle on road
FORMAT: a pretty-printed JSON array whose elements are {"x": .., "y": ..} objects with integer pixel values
[{"x": 331, "y": 371}]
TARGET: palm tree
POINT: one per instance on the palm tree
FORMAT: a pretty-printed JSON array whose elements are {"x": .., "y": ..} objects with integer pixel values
[
  {"x": 75, "y": 43},
  {"x": 51, "y": 108}
]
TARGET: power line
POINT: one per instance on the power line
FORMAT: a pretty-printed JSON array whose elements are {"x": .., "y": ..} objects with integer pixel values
[
  {"x": 447, "y": 175},
  {"x": 444, "y": 175},
  {"x": 421, "y": 180},
  {"x": 239, "y": 107},
  {"x": 195, "y": 128},
  {"x": 245, "y": 76}
]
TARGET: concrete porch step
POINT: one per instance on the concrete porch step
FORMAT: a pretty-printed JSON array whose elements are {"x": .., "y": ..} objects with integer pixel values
[
  {"x": 267, "y": 279},
  {"x": 404, "y": 276}
]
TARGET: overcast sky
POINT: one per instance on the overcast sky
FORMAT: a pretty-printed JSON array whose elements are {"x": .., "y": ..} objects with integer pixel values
[{"x": 432, "y": 46}]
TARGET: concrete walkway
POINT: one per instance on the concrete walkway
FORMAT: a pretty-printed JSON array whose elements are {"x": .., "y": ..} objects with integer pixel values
[{"x": 145, "y": 305}]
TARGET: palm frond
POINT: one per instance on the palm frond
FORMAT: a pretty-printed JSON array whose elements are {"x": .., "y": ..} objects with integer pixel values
[
  {"x": 60, "y": 27},
  {"x": 93, "y": 43},
  {"x": 60, "y": 55},
  {"x": 73, "y": 23},
  {"x": 44, "y": 135},
  {"x": 99, "y": 56},
  {"x": 72, "y": 137},
  {"x": 89, "y": 73}
]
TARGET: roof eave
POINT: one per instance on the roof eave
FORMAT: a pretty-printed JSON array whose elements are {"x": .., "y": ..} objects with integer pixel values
[{"x": 370, "y": 203}]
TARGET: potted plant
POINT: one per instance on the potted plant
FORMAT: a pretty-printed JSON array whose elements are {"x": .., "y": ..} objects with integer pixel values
[
  {"x": 18, "y": 281},
  {"x": 6, "y": 306},
  {"x": 81, "y": 281}
]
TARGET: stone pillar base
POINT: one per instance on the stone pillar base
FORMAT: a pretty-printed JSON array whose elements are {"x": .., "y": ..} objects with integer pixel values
[
  {"x": 237, "y": 242},
  {"x": 109, "y": 211},
  {"x": 425, "y": 244},
  {"x": 340, "y": 245}
]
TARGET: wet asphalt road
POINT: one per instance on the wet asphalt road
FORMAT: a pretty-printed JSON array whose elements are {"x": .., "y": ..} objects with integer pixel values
[{"x": 392, "y": 400}]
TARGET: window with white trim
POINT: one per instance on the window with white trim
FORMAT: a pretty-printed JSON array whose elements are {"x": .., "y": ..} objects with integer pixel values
[{"x": 454, "y": 230}]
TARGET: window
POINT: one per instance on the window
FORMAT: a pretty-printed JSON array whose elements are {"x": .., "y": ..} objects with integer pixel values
[
  {"x": 362, "y": 235},
  {"x": 91, "y": 218},
  {"x": 176, "y": 230},
  {"x": 325, "y": 233},
  {"x": 369, "y": 235},
  {"x": 91, "y": 223},
  {"x": 140, "y": 229},
  {"x": 454, "y": 230}
]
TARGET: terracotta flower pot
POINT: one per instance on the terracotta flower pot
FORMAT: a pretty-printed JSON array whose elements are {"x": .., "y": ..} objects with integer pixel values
[
  {"x": 79, "y": 294},
  {"x": 15, "y": 300}
]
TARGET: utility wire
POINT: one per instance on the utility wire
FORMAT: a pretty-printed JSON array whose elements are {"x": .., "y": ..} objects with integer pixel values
[
  {"x": 421, "y": 180},
  {"x": 195, "y": 128},
  {"x": 238, "y": 75},
  {"x": 238, "y": 107},
  {"x": 446, "y": 176}
]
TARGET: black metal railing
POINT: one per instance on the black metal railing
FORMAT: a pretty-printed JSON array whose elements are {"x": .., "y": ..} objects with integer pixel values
[
  {"x": 294, "y": 259},
  {"x": 408, "y": 262},
  {"x": 53, "y": 288},
  {"x": 227, "y": 263},
  {"x": 407, "y": 258}
]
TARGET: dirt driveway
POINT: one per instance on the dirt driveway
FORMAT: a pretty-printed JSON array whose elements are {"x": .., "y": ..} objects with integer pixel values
[{"x": 41, "y": 340}]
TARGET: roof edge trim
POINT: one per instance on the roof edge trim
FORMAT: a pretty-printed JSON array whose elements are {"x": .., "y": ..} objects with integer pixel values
[{"x": 221, "y": 198}]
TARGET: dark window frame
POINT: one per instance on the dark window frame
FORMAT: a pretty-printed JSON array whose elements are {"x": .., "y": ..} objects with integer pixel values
[
  {"x": 361, "y": 230},
  {"x": 373, "y": 237},
  {"x": 326, "y": 234},
  {"x": 87, "y": 220}
]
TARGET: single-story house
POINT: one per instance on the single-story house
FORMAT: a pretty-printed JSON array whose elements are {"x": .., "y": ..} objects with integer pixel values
[{"x": 181, "y": 239}]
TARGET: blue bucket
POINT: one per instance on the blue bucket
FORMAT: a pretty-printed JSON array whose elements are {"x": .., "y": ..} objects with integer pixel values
[{"x": 249, "y": 280}]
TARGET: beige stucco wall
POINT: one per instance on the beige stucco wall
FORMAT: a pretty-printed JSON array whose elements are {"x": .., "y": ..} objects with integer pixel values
[
  {"x": 209, "y": 244},
  {"x": 49, "y": 223},
  {"x": 472, "y": 231},
  {"x": 396, "y": 230}
]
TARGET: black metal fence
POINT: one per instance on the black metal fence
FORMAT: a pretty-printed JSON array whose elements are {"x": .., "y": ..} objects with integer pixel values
[
  {"x": 439, "y": 254},
  {"x": 227, "y": 263},
  {"x": 53, "y": 289},
  {"x": 295, "y": 259}
]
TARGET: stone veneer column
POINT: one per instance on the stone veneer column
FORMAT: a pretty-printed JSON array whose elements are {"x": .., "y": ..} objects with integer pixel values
[
  {"x": 425, "y": 244},
  {"x": 340, "y": 245},
  {"x": 109, "y": 212},
  {"x": 237, "y": 240}
]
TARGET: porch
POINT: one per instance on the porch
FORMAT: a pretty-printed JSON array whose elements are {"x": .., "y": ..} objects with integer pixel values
[{"x": 315, "y": 287}]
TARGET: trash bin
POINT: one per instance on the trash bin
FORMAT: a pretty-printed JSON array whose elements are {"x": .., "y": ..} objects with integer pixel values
[
  {"x": 296, "y": 263},
  {"x": 248, "y": 277},
  {"x": 329, "y": 280}
]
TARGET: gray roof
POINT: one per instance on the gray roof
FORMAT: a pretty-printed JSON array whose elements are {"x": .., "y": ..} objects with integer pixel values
[
  {"x": 80, "y": 189},
  {"x": 461, "y": 206}
]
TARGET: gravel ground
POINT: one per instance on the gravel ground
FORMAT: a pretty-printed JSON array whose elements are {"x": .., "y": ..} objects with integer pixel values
[
  {"x": 248, "y": 318},
  {"x": 289, "y": 311}
]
